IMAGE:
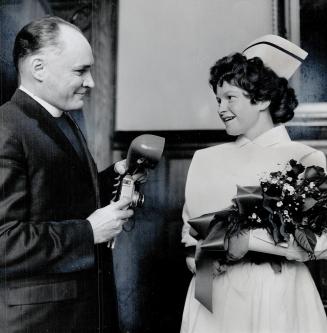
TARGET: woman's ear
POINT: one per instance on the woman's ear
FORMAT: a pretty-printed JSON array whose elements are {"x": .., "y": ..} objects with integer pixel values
[{"x": 263, "y": 105}]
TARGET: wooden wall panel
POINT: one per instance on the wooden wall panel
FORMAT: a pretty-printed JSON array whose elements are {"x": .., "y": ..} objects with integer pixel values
[
  {"x": 151, "y": 275},
  {"x": 150, "y": 269}
]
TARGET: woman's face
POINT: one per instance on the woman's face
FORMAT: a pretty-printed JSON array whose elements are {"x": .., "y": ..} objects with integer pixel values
[{"x": 236, "y": 110}]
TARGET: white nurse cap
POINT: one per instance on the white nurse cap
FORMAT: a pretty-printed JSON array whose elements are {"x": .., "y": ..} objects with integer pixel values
[{"x": 277, "y": 53}]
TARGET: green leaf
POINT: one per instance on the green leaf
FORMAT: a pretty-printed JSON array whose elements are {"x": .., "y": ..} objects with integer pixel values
[
  {"x": 269, "y": 203},
  {"x": 283, "y": 232},
  {"x": 308, "y": 203},
  {"x": 275, "y": 231},
  {"x": 276, "y": 236},
  {"x": 306, "y": 239},
  {"x": 323, "y": 185},
  {"x": 314, "y": 172}
]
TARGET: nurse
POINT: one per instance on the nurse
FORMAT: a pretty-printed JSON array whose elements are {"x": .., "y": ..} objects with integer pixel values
[{"x": 254, "y": 100}]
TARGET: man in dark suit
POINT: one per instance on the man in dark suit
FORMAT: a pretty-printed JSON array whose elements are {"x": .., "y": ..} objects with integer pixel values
[{"x": 55, "y": 266}]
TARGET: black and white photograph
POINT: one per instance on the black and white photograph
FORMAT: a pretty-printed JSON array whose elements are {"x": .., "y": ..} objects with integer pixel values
[{"x": 163, "y": 166}]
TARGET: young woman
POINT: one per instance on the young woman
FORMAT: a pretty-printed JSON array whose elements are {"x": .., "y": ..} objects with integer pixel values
[{"x": 253, "y": 99}]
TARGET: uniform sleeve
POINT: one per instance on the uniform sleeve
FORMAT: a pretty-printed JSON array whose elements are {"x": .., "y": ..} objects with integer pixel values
[
  {"x": 187, "y": 239},
  {"x": 316, "y": 158},
  {"x": 34, "y": 247},
  {"x": 261, "y": 241}
]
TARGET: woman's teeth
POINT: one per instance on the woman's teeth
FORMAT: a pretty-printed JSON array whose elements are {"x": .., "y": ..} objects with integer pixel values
[{"x": 225, "y": 119}]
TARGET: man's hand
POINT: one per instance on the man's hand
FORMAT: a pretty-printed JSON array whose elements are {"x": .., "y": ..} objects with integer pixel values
[
  {"x": 141, "y": 177},
  {"x": 120, "y": 167},
  {"x": 107, "y": 222},
  {"x": 238, "y": 246}
]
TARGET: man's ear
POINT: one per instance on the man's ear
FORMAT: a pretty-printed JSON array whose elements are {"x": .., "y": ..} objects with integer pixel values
[
  {"x": 263, "y": 105},
  {"x": 38, "y": 68}
]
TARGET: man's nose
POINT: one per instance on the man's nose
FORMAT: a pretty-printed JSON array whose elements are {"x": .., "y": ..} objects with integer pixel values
[{"x": 88, "y": 81}]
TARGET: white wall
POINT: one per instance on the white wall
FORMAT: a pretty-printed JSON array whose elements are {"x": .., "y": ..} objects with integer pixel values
[{"x": 165, "y": 50}]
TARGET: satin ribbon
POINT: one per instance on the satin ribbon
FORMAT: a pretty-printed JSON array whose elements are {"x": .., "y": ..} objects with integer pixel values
[{"x": 211, "y": 231}]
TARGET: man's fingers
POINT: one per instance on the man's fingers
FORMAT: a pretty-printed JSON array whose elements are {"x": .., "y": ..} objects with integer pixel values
[
  {"x": 123, "y": 203},
  {"x": 120, "y": 167},
  {"x": 125, "y": 214},
  {"x": 141, "y": 177}
]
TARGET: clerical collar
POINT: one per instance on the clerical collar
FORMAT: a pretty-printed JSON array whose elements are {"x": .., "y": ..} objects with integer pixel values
[
  {"x": 50, "y": 108},
  {"x": 271, "y": 137}
]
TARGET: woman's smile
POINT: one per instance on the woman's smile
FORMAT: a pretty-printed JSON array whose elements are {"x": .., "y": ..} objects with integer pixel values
[
  {"x": 225, "y": 119},
  {"x": 238, "y": 113}
]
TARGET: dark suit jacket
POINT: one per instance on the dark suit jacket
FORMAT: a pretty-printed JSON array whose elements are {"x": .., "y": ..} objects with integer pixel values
[{"x": 52, "y": 277}]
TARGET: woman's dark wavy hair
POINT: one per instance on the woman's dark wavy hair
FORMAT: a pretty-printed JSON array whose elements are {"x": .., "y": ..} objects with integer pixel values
[{"x": 259, "y": 81}]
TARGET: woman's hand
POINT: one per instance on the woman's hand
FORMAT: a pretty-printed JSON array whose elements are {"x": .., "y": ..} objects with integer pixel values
[
  {"x": 218, "y": 268},
  {"x": 237, "y": 246},
  {"x": 190, "y": 262}
]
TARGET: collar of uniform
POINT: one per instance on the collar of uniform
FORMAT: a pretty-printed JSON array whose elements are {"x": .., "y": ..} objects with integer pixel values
[
  {"x": 50, "y": 108},
  {"x": 269, "y": 138}
]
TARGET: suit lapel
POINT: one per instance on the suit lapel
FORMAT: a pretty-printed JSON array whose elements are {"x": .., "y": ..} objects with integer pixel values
[
  {"x": 48, "y": 125},
  {"x": 90, "y": 161},
  {"x": 94, "y": 171}
]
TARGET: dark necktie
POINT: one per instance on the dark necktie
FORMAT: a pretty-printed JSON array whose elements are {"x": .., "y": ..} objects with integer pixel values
[
  {"x": 73, "y": 134},
  {"x": 71, "y": 130}
]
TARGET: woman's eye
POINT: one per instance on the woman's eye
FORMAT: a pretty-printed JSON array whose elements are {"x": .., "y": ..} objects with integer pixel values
[
  {"x": 231, "y": 97},
  {"x": 218, "y": 101}
]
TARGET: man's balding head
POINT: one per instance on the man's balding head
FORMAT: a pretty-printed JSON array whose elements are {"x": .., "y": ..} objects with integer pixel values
[
  {"x": 54, "y": 62},
  {"x": 37, "y": 35}
]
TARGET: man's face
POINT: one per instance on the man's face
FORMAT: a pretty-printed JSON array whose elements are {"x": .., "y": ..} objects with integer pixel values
[{"x": 67, "y": 72}]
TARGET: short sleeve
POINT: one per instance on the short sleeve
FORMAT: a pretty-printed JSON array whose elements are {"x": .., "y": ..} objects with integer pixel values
[{"x": 316, "y": 158}]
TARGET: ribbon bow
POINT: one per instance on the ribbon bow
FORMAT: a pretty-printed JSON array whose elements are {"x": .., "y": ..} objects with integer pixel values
[{"x": 211, "y": 230}]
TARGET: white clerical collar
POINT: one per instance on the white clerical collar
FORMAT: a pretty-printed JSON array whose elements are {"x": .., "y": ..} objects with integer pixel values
[
  {"x": 271, "y": 137},
  {"x": 50, "y": 108}
]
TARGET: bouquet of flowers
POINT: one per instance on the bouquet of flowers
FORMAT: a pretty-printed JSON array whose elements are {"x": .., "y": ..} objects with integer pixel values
[{"x": 289, "y": 202}]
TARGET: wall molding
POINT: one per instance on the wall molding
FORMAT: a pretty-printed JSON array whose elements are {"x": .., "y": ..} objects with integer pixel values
[{"x": 310, "y": 114}]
